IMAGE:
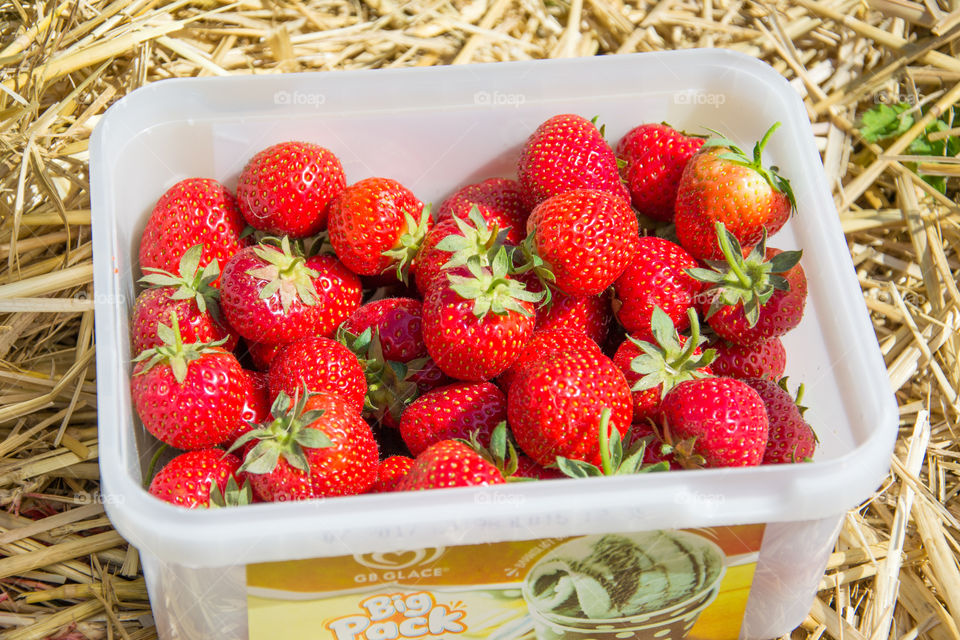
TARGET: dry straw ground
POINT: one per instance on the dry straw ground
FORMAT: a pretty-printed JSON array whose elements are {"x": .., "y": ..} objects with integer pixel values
[{"x": 64, "y": 573}]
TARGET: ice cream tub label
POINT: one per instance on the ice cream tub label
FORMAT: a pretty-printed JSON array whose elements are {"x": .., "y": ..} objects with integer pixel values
[{"x": 660, "y": 584}]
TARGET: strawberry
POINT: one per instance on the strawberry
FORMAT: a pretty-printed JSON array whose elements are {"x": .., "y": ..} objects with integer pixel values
[
  {"x": 398, "y": 322},
  {"x": 262, "y": 354},
  {"x": 390, "y": 472},
  {"x": 723, "y": 184},
  {"x": 527, "y": 468},
  {"x": 585, "y": 237},
  {"x": 790, "y": 438},
  {"x": 256, "y": 406},
  {"x": 201, "y": 479},
  {"x": 475, "y": 326},
  {"x": 316, "y": 446},
  {"x": 449, "y": 463},
  {"x": 555, "y": 406},
  {"x": 387, "y": 338},
  {"x": 378, "y": 224},
  {"x": 653, "y": 368},
  {"x": 190, "y": 295},
  {"x": 498, "y": 200},
  {"x": 756, "y": 298},
  {"x": 656, "y": 155},
  {"x": 656, "y": 451},
  {"x": 286, "y": 189},
  {"x": 273, "y": 296},
  {"x": 452, "y": 243},
  {"x": 320, "y": 365},
  {"x": 568, "y": 152},
  {"x": 587, "y": 314},
  {"x": 655, "y": 277},
  {"x": 456, "y": 410},
  {"x": 720, "y": 421},
  {"x": 196, "y": 210},
  {"x": 190, "y": 396},
  {"x": 765, "y": 359},
  {"x": 542, "y": 344}
]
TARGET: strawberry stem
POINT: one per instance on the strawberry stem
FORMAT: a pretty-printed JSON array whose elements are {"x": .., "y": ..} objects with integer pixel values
[
  {"x": 605, "y": 461},
  {"x": 735, "y": 261}
]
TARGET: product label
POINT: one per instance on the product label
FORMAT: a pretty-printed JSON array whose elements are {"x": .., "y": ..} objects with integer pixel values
[{"x": 651, "y": 584}]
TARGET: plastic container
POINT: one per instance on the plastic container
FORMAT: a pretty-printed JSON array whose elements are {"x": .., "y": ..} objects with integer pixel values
[{"x": 434, "y": 130}]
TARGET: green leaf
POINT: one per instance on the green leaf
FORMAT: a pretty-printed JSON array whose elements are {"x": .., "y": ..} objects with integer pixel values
[
  {"x": 577, "y": 468},
  {"x": 313, "y": 439},
  {"x": 263, "y": 458},
  {"x": 885, "y": 121}
]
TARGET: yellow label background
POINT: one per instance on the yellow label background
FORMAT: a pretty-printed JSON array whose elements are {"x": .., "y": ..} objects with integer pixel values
[{"x": 482, "y": 581}]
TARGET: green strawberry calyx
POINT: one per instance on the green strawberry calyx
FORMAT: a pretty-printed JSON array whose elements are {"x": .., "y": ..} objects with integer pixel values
[
  {"x": 614, "y": 459},
  {"x": 408, "y": 244},
  {"x": 665, "y": 363},
  {"x": 173, "y": 352},
  {"x": 233, "y": 496},
  {"x": 526, "y": 258},
  {"x": 285, "y": 434},
  {"x": 750, "y": 281},
  {"x": 492, "y": 290},
  {"x": 389, "y": 385},
  {"x": 501, "y": 453},
  {"x": 286, "y": 272},
  {"x": 191, "y": 282},
  {"x": 477, "y": 242},
  {"x": 730, "y": 152}
]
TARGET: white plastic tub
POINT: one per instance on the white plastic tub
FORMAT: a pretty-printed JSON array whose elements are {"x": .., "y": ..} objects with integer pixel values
[{"x": 434, "y": 130}]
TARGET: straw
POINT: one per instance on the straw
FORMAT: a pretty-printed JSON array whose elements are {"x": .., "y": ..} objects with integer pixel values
[{"x": 66, "y": 574}]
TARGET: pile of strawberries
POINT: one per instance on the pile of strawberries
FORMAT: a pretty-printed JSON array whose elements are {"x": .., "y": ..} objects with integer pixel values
[{"x": 610, "y": 311}]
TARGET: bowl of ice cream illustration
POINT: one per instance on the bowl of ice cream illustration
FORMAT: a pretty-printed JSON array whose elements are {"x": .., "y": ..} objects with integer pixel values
[{"x": 649, "y": 585}]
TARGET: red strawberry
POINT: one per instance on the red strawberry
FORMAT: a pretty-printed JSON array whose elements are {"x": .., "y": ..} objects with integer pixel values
[
  {"x": 756, "y": 298},
  {"x": 262, "y": 354},
  {"x": 190, "y": 396},
  {"x": 454, "y": 242},
  {"x": 721, "y": 420},
  {"x": 449, "y": 463},
  {"x": 387, "y": 338},
  {"x": 655, "y": 277},
  {"x": 192, "y": 211},
  {"x": 315, "y": 447},
  {"x": 474, "y": 327},
  {"x": 322, "y": 365},
  {"x": 272, "y": 296},
  {"x": 766, "y": 359},
  {"x": 791, "y": 438},
  {"x": 542, "y": 344},
  {"x": 399, "y": 323},
  {"x": 567, "y": 152},
  {"x": 286, "y": 189},
  {"x": 201, "y": 479},
  {"x": 656, "y": 155},
  {"x": 586, "y": 238},
  {"x": 587, "y": 314},
  {"x": 256, "y": 407},
  {"x": 390, "y": 472},
  {"x": 527, "y": 468},
  {"x": 499, "y": 201},
  {"x": 190, "y": 295},
  {"x": 456, "y": 410},
  {"x": 555, "y": 407},
  {"x": 723, "y": 184},
  {"x": 652, "y": 369},
  {"x": 655, "y": 450},
  {"x": 378, "y": 224}
]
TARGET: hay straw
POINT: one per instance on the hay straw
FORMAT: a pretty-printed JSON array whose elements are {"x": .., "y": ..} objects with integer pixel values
[{"x": 894, "y": 572}]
